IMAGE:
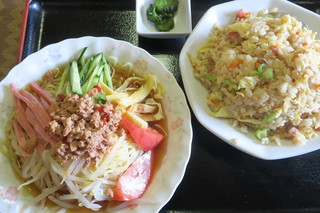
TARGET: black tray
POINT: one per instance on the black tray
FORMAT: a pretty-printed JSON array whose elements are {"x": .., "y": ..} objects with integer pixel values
[{"x": 219, "y": 178}]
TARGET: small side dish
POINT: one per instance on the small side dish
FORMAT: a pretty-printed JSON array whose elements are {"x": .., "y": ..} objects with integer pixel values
[
  {"x": 162, "y": 14},
  {"x": 263, "y": 72},
  {"x": 163, "y": 18}
]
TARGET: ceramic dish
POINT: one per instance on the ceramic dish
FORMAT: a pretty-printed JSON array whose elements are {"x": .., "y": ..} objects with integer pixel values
[
  {"x": 182, "y": 21},
  {"x": 177, "y": 152},
  {"x": 222, "y": 15}
]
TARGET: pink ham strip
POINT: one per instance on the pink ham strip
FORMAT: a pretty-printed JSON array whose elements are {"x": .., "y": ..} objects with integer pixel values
[
  {"x": 41, "y": 112},
  {"x": 41, "y": 145},
  {"x": 22, "y": 119},
  {"x": 32, "y": 102},
  {"x": 37, "y": 126},
  {"x": 46, "y": 105},
  {"x": 48, "y": 97},
  {"x": 22, "y": 142}
]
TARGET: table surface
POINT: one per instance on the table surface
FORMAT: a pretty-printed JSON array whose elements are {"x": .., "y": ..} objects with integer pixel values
[
  {"x": 11, "y": 16},
  {"x": 218, "y": 178}
]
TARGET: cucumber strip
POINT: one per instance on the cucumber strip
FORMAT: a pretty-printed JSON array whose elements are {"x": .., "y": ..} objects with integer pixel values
[
  {"x": 74, "y": 78},
  {"x": 89, "y": 84},
  {"x": 81, "y": 60},
  {"x": 63, "y": 80},
  {"x": 101, "y": 77},
  {"x": 96, "y": 62},
  {"x": 85, "y": 69},
  {"x": 68, "y": 89},
  {"x": 101, "y": 98},
  {"x": 107, "y": 75},
  {"x": 95, "y": 81}
]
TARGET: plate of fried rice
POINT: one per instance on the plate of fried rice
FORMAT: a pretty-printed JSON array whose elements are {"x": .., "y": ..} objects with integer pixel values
[{"x": 253, "y": 79}]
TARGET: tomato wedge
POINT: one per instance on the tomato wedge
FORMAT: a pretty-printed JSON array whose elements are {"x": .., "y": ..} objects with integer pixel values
[
  {"x": 147, "y": 139},
  {"x": 134, "y": 182}
]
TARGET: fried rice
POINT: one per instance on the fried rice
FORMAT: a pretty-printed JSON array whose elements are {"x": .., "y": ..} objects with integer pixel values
[{"x": 263, "y": 72}]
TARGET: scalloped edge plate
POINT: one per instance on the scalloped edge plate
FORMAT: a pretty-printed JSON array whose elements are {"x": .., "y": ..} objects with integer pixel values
[{"x": 178, "y": 149}]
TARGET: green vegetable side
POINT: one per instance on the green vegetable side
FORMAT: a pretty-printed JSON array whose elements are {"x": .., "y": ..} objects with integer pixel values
[{"x": 162, "y": 13}]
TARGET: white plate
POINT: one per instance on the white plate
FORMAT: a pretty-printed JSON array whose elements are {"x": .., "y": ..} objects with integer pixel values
[
  {"x": 222, "y": 15},
  {"x": 178, "y": 148},
  {"x": 182, "y": 21}
]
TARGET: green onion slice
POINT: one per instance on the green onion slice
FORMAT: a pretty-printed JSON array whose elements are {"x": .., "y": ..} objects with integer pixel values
[
  {"x": 262, "y": 133},
  {"x": 261, "y": 68},
  {"x": 210, "y": 77}
]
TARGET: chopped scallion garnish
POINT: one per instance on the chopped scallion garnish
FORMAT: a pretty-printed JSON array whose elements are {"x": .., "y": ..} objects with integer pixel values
[
  {"x": 261, "y": 68},
  {"x": 268, "y": 73},
  {"x": 262, "y": 133},
  {"x": 231, "y": 84},
  {"x": 210, "y": 77}
]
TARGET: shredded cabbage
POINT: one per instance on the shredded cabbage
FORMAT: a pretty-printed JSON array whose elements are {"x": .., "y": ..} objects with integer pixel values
[{"x": 248, "y": 82}]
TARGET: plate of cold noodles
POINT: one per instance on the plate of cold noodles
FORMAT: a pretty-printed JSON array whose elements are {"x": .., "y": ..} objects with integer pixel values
[
  {"x": 90, "y": 126},
  {"x": 257, "y": 75}
]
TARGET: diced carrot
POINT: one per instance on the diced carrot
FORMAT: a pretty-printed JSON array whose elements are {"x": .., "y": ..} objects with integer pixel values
[
  {"x": 257, "y": 64},
  {"x": 317, "y": 129},
  {"x": 275, "y": 48},
  {"x": 317, "y": 86},
  {"x": 235, "y": 63},
  {"x": 242, "y": 14},
  {"x": 298, "y": 32},
  {"x": 305, "y": 44}
]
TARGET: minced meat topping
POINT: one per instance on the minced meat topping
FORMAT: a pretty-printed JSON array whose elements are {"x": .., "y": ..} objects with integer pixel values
[{"x": 83, "y": 127}]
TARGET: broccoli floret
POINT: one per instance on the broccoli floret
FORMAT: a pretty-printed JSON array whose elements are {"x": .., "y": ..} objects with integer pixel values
[
  {"x": 167, "y": 25},
  {"x": 167, "y": 7},
  {"x": 152, "y": 14}
]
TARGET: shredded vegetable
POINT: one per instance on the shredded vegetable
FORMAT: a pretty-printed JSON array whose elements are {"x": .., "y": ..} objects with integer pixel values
[
  {"x": 39, "y": 152},
  {"x": 262, "y": 133}
]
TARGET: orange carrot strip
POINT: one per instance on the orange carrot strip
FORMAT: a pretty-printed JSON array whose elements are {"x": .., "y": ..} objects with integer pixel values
[
  {"x": 257, "y": 64},
  {"x": 235, "y": 63}
]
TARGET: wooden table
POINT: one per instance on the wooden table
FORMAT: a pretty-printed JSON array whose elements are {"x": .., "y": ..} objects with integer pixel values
[{"x": 11, "y": 16}]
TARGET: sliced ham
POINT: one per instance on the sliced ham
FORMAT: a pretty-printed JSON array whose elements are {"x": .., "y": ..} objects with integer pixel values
[
  {"x": 41, "y": 144},
  {"x": 242, "y": 14},
  {"x": 22, "y": 119},
  {"x": 46, "y": 105},
  {"x": 22, "y": 142},
  {"x": 37, "y": 126},
  {"x": 34, "y": 104},
  {"x": 233, "y": 35},
  {"x": 48, "y": 97}
]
